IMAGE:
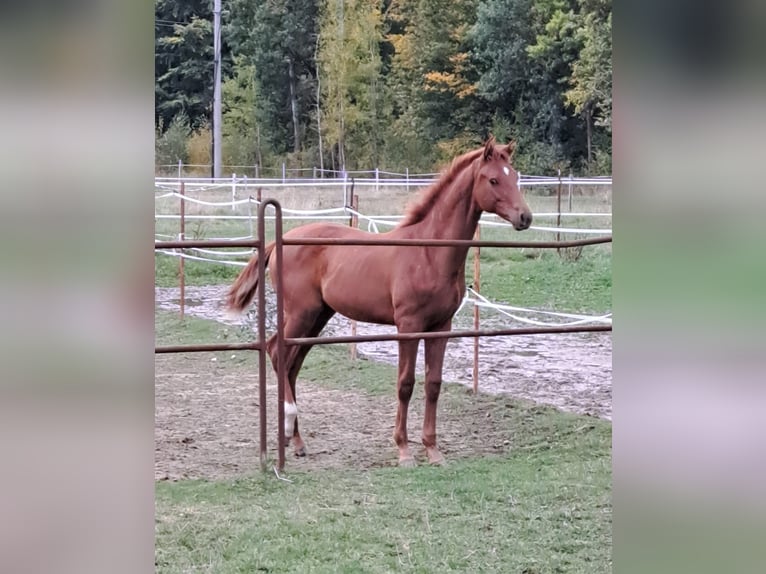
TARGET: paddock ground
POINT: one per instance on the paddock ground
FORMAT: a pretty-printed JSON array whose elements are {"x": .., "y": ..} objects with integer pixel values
[{"x": 206, "y": 410}]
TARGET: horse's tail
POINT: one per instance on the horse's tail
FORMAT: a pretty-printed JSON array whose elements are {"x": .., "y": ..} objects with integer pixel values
[{"x": 245, "y": 285}]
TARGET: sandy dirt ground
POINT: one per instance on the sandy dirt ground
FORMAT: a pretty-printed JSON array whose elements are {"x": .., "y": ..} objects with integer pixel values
[{"x": 199, "y": 433}]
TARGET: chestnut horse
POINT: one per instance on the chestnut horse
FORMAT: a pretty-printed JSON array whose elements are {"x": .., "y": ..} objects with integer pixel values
[{"x": 418, "y": 289}]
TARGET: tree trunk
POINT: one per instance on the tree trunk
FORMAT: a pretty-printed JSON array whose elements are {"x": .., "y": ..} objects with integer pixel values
[
  {"x": 374, "y": 105},
  {"x": 258, "y": 144},
  {"x": 341, "y": 89},
  {"x": 294, "y": 106},
  {"x": 589, "y": 134}
]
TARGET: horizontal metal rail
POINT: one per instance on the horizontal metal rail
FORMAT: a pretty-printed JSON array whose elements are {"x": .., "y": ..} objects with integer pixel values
[
  {"x": 386, "y": 241},
  {"x": 444, "y": 335},
  {"x": 254, "y": 346}
]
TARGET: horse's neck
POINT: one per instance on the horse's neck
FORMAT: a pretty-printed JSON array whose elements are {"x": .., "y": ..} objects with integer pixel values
[{"x": 454, "y": 215}]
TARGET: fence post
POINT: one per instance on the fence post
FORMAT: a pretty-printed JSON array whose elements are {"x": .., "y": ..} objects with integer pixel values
[
  {"x": 283, "y": 172},
  {"x": 314, "y": 173},
  {"x": 407, "y": 176},
  {"x": 181, "y": 237},
  {"x": 180, "y": 169},
  {"x": 233, "y": 191},
  {"x": 262, "y": 337},
  {"x": 477, "y": 288},
  {"x": 558, "y": 208},
  {"x": 570, "y": 192},
  {"x": 354, "y": 223},
  {"x": 250, "y": 216},
  {"x": 280, "y": 335},
  {"x": 377, "y": 179},
  {"x": 256, "y": 171}
]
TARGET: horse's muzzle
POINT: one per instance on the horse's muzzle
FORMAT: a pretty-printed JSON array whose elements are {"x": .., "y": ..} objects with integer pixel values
[{"x": 525, "y": 220}]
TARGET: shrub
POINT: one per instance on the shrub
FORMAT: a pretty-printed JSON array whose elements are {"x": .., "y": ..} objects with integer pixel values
[
  {"x": 200, "y": 147},
  {"x": 170, "y": 143}
]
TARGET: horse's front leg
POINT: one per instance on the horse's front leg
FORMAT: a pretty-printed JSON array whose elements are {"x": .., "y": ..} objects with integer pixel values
[
  {"x": 435, "y": 349},
  {"x": 408, "y": 351}
]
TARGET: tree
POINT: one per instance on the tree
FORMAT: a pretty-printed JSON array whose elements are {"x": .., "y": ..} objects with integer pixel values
[
  {"x": 241, "y": 131},
  {"x": 349, "y": 59},
  {"x": 555, "y": 49},
  {"x": 525, "y": 51},
  {"x": 403, "y": 82},
  {"x": 170, "y": 141},
  {"x": 183, "y": 39},
  {"x": 277, "y": 37},
  {"x": 433, "y": 79},
  {"x": 590, "y": 91}
]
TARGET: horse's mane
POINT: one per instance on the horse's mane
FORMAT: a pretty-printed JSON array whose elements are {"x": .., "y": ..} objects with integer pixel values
[{"x": 420, "y": 207}]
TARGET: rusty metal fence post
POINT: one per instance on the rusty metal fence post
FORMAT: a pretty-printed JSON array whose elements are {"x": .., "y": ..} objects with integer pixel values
[
  {"x": 262, "y": 336},
  {"x": 477, "y": 287},
  {"x": 354, "y": 223},
  {"x": 280, "y": 333}
]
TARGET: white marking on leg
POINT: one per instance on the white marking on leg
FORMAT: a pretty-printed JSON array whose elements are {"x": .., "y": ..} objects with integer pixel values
[{"x": 291, "y": 413}]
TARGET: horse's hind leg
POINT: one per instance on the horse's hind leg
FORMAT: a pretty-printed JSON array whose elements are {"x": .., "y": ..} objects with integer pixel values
[
  {"x": 435, "y": 349},
  {"x": 309, "y": 324}
]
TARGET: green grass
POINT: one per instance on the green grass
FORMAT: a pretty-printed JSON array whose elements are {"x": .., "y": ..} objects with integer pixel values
[
  {"x": 170, "y": 329},
  {"x": 544, "y": 279},
  {"x": 541, "y": 280},
  {"x": 322, "y": 364},
  {"x": 545, "y": 510},
  {"x": 525, "y": 277},
  {"x": 543, "y": 507},
  {"x": 166, "y": 272}
]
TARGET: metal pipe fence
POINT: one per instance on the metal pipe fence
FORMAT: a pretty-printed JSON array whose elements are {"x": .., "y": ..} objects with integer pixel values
[{"x": 280, "y": 342}]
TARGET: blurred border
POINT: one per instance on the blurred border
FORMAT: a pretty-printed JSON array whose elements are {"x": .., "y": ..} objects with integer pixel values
[
  {"x": 76, "y": 357},
  {"x": 689, "y": 279},
  {"x": 76, "y": 403}
]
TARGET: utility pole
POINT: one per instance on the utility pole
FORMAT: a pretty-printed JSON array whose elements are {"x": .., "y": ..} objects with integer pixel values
[
  {"x": 319, "y": 111},
  {"x": 217, "y": 88}
]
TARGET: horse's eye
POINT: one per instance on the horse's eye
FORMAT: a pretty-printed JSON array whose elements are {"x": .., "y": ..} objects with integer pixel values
[{"x": 493, "y": 181}]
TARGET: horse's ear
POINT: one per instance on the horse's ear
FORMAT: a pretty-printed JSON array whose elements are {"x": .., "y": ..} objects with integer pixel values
[
  {"x": 489, "y": 148},
  {"x": 510, "y": 149}
]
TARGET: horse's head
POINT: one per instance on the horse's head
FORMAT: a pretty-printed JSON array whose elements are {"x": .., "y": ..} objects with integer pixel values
[{"x": 496, "y": 186}]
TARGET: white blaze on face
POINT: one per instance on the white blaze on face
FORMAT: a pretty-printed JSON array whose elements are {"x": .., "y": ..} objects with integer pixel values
[
  {"x": 291, "y": 413},
  {"x": 506, "y": 170}
]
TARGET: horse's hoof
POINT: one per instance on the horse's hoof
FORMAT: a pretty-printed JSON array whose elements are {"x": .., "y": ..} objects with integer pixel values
[
  {"x": 300, "y": 451},
  {"x": 436, "y": 458},
  {"x": 407, "y": 462}
]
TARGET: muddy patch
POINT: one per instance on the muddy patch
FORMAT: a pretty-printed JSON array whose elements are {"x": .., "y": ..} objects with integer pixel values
[{"x": 572, "y": 372}]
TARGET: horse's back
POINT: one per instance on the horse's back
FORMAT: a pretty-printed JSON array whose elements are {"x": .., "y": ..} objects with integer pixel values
[{"x": 327, "y": 231}]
